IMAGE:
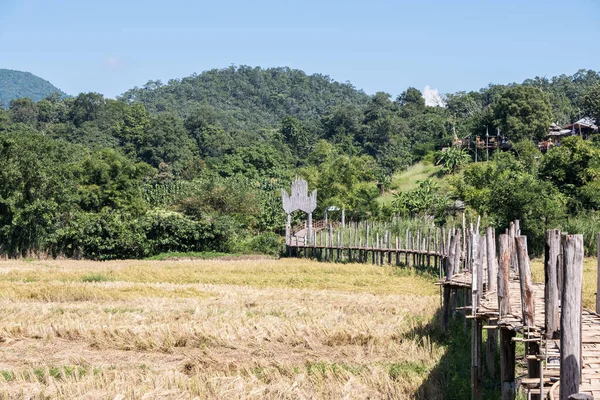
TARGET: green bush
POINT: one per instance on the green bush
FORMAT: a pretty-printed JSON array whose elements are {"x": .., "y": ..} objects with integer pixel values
[{"x": 266, "y": 243}]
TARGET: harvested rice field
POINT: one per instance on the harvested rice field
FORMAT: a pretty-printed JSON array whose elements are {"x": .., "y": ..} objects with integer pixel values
[{"x": 218, "y": 329}]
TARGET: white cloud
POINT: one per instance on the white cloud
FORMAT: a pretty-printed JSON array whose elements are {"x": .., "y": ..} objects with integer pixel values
[
  {"x": 114, "y": 62},
  {"x": 432, "y": 97}
]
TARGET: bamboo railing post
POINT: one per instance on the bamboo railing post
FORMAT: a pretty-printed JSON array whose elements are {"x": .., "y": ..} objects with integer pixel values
[
  {"x": 457, "y": 253},
  {"x": 406, "y": 246},
  {"x": 507, "y": 346},
  {"x": 491, "y": 260},
  {"x": 507, "y": 364},
  {"x": 428, "y": 248},
  {"x": 476, "y": 333},
  {"x": 527, "y": 305},
  {"x": 551, "y": 306},
  {"x": 489, "y": 257},
  {"x": 527, "y": 308},
  {"x": 447, "y": 289},
  {"x": 483, "y": 262},
  {"x": 570, "y": 319},
  {"x": 504, "y": 276}
]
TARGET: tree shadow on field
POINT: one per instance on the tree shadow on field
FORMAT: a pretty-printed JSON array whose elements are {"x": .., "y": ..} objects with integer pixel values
[{"x": 450, "y": 379}]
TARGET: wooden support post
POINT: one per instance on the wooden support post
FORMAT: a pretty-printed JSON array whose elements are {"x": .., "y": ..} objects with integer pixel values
[
  {"x": 449, "y": 273},
  {"x": 464, "y": 237},
  {"x": 527, "y": 308},
  {"x": 482, "y": 264},
  {"x": 429, "y": 248},
  {"x": 503, "y": 276},
  {"x": 492, "y": 279},
  {"x": 492, "y": 283},
  {"x": 457, "y": 253},
  {"x": 551, "y": 260},
  {"x": 490, "y": 351},
  {"x": 570, "y": 319},
  {"x": 476, "y": 334},
  {"x": 446, "y": 308},
  {"x": 507, "y": 363}
]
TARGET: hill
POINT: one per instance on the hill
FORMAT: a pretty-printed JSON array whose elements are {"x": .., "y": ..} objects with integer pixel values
[
  {"x": 17, "y": 84},
  {"x": 244, "y": 97}
]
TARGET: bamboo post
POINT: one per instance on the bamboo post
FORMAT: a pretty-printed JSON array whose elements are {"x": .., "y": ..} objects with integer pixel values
[
  {"x": 527, "y": 305},
  {"x": 507, "y": 363},
  {"x": 491, "y": 260},
  {"x": 503, "y": 276},
  {"x": 492, "y": 334},
  {"x": 476, "y": 334},
  {"x": 464, "y": 236},
  {"x": 428, "y": 248},
  {"x": 551, "y": 259},
  {"x": 525, "y": 281},
  {"x": 570, "y": 319},
  {"x": 406, "y": 245},
  {"x": 482, "y": 263},
  {"x": 449, "y": 273},
  {"x": 457, "y": 253}
]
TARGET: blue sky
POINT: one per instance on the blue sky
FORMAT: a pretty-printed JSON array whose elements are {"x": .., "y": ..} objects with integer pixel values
[{"x": 110, "y": 46}]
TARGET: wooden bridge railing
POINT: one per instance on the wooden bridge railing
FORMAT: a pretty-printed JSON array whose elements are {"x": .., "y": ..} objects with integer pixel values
[
  {"x": 520, "y": 311},
  {"x": 427, "y": 246}
]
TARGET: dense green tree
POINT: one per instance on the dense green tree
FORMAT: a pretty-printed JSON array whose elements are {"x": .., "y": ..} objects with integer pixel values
[
  {"x": 574, "y": 168},
  {"x": 297, "y": 137},
  {"x": 523, "y": 112},
  {"x": 87, "y": 107},
  {"x": 591, "y": 102},
  {"x": 166, "y": 142},
  {"x": 24, "y": 111}
]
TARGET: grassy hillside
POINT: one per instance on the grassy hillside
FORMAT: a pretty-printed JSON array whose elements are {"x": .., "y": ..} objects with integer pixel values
[
  {"x": 408, "y": 179},
  {"x": 17, "y": 84}
]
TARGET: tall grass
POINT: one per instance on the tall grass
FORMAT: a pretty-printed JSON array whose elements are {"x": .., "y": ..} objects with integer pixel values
[{"x": 587, "y": 224}]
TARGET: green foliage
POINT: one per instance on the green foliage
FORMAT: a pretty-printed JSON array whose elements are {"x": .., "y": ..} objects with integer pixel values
[
  {"x": 452, "y": 159},
  {"x": 523, "y": 112},
  {"x": 574, "y": 168},
  {"x": 503, "y": 190},
  {"x": 426, "y": 199},
  {"x": 198, "y": 164},
  {"x": 204, "y": 255},
  {"x": 246, "y": 98},
  {"x": 591, "y": 102},
  {"x": 265, "y": 243}
]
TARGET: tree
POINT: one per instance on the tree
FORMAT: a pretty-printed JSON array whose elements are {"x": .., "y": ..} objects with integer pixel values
[
  {"x": 591, "y": 102},
  {"x": 523, "y": 112},
  {"x": 166, "y": 141},
  {"x": 23, "y": 111},
  {"x": 87, "y": 107},
  {"x": 296, "y": 136}
]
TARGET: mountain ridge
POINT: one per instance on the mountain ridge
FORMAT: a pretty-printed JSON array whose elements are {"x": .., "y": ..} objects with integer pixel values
[{"x": 16, "y": 84}]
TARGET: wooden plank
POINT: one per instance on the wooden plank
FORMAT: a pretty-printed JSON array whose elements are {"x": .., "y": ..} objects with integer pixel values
[{"x": 570, "y": 321}]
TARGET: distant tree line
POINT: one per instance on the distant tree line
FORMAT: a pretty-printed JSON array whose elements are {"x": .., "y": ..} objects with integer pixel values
[{"x": 198, "y": 163}]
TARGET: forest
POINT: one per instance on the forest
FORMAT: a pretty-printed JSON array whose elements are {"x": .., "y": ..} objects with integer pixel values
[{"x": 198, "y": 164}]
